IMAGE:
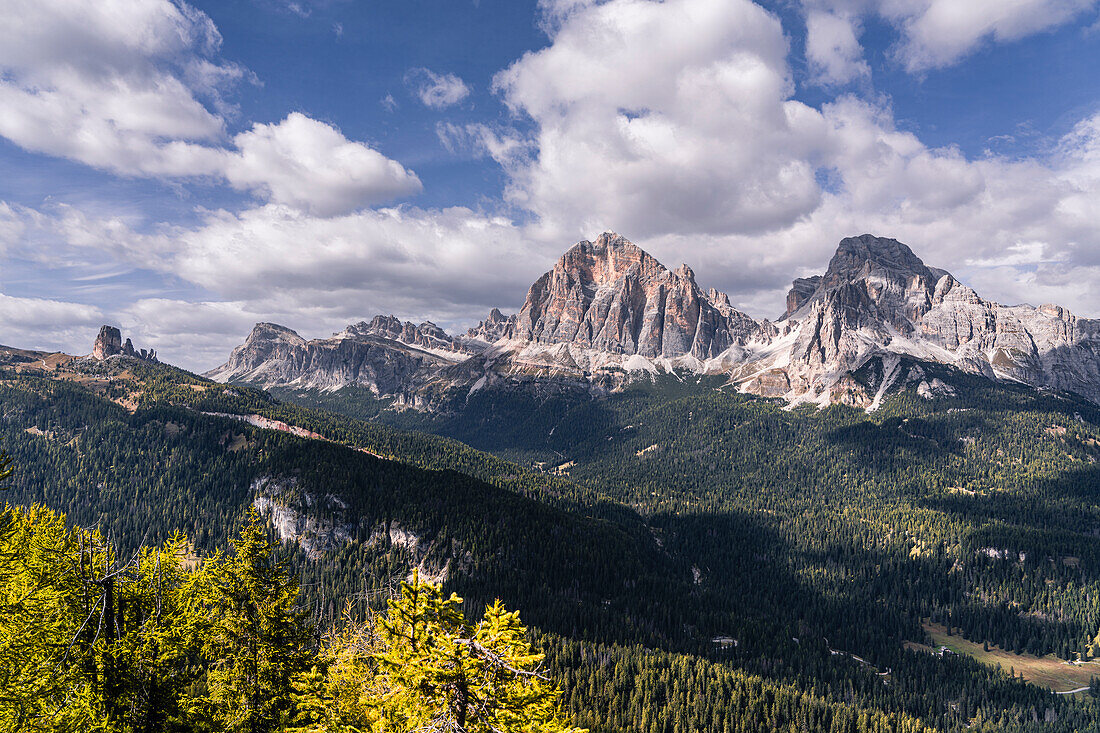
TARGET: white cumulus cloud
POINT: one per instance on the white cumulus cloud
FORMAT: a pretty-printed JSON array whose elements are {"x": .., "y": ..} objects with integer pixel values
[
  {"x": 674, "y": 123},
  {"x": 278, "y": 263},
  {"x": 310, "y": 165},
  {"x": 135, "y": 87},
  {"x": 48, "y": 325},
  {"x": 833, "y": 49},
  {"x": 105, "y": 83},
  {"x": 938, "y": 33},
  {"x": 663, "y": 117},
  {"x": 934, "y": 34}
]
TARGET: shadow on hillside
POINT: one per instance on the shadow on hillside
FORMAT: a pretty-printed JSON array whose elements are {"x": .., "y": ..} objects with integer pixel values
[{"x": 837, "y": 599}]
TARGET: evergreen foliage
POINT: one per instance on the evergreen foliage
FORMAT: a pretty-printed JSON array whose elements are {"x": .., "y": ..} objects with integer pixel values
[
  {"x": 702, "y": 560},
  {"x": 161, "y": 642}
]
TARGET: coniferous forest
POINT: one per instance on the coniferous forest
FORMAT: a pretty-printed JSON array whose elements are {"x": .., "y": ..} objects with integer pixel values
[{"x": 683, "y": 558}]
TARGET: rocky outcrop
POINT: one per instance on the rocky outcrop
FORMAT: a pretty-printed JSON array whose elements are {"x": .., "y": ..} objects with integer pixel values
[
  {"x": 801, "y": 291},
  {"x": 434, "y": 559},
  {"x": 321, "y": 524},
  {"x": 109, "y": 343},
  {"x": 316, "y": 523}
]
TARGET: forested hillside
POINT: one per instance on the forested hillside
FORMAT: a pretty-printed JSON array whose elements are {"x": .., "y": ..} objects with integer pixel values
[
  {"x": 978, "y": 511},
  {"x": 688, "y": 558}
]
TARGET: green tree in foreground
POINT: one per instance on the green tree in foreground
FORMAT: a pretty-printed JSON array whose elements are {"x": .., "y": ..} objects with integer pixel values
[
  {"x": 87, "y": 642},
  {"x": 423, "y": 668},
  {"x": 346, "y": 697},
  {"x": 257, "y": 636},
  {"x": 42, "y": 686},
  {"x": 164, "y": 642}
]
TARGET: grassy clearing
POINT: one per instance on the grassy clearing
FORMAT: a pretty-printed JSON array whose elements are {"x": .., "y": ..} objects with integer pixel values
[{"x": 1049, "y": 671}]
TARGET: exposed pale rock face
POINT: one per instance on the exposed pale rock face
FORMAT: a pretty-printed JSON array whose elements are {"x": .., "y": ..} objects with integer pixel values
[
  {"x": 878, "y": 297},
  {"x": 385, "y": 356},
  {"x": 107, "y": 343},
  {"x": 881, "y": 278},
  {"x": 296, "y": 518},
  {"x": 427, "y": 335},
  {"x": 801, "y": 291},
  {"x": 611, "y": 296},
  {"x": 435, "y": 560},
  {"x": 494, "y": 328}
]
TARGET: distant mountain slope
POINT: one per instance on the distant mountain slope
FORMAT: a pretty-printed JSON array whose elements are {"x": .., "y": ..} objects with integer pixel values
[
  {"x": 384, "y": 355},
  {"x": 608, "y": 313}
]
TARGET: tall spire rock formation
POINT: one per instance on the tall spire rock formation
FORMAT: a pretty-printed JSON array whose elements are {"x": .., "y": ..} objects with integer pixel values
[{"x": 109, "y": 343}]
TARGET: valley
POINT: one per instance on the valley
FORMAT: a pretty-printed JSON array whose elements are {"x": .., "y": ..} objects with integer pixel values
[
  {"x": 549, "y": 366},
  {"x": 634, "y": 515},
  {"x": 1064, "y": 678}
]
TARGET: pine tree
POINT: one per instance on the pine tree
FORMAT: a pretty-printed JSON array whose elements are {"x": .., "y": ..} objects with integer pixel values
[
  {"x": 258, "y": 637},
  {"x": 48, "y": 674}
]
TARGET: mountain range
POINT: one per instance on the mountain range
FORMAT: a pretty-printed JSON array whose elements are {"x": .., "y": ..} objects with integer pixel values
[
  {"x": 679, "y": 524},
  {"x": 608, "y": 313}
]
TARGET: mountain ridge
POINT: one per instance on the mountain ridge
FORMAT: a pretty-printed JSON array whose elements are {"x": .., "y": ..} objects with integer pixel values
[{"x": 608, "y": 312}]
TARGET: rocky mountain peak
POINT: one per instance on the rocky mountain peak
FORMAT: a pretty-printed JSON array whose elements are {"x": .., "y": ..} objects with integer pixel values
[
  {"x": 605, "y": 261},
  {"x": 493, "y": 328},
  {"x": 383, "y": 324},
  {"x": 867, "y": 255},
  {"x": 426, "y": 335},
  {"x": 607, "y": 309},
  {"x": 684, "y": 272},
  {"x": 716, "y": 296},
  {"x": 877, "y": 299},
  {"x": 1056, "y": 311},
  {"x": 612, "y": 296},
  {"x": 872, "y": 281},
  {"x": 273, "y": 332},
  {"x": 383, "y": 355}
]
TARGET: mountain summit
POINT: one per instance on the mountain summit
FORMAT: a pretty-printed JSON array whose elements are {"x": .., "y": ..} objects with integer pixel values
[
  {"x": 612, "y": 296},
  {"x": 608, "y": 311},
  {"x": 878, "y": 300}
]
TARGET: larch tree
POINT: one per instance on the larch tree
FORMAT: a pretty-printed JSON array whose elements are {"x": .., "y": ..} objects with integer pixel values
[{"x": 440, "y": 674}]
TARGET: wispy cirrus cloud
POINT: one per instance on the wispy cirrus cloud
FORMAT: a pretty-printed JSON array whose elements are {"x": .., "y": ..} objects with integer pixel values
[
  {"x": 932, "y": 34},
  {"x": 436, "y": 90}
]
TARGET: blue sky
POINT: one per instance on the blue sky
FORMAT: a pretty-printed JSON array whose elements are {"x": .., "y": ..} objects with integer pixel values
[{"x": 187, "y": 169}]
